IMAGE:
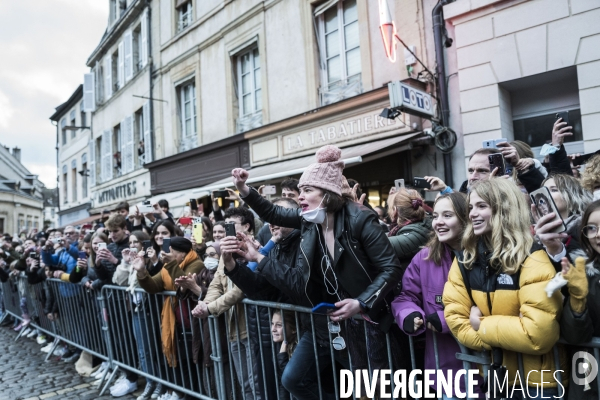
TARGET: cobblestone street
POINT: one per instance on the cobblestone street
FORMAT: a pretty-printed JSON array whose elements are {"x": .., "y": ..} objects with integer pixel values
[{"x": 25, "y": 375}]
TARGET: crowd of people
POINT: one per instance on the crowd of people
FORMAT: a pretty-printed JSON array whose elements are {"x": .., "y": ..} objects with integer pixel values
[{"x": 492, "y": 265}]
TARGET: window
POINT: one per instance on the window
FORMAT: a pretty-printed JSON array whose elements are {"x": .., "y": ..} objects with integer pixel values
[
  {"x": 84, "y": 175},
  {"x": 136, "y": 54},
  {"x": 64, "y": 184},
  {"x": 115, "y": 65},
  {"x": 187, "y": 103},
  {"x": 139, "y": 138},
  {"x": 63, "y": 124},
  {"x": 184, "y": 13},
  {"x": 531, "y": 104},
  {"x": 340, "y": 52},
  {"x": 72, "y": 123},
  {"x": 82, "y": 114},
  {"x": 1, "y": 225},
  {"x": 112, "y": 11},
  {"x": 535, "y": 131},
  {"x": 249, "y": 79},
  {"x": 116, "y": 146},
  {"x": 249, "y": 91},
  {"x": 74, "y": 181}
]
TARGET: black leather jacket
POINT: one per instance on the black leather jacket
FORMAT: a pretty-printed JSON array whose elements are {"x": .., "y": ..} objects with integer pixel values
[{"x": 365, "y": 263}]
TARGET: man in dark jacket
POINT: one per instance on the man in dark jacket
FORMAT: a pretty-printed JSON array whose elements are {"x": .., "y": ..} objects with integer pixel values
[{"x": 109, "y": 258}]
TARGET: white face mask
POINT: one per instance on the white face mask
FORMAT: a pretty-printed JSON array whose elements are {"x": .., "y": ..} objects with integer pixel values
[
  {"x": 316, "y": 216},
  {"x": 596, "y": 194},
  {"x": 211, "y": 263}
]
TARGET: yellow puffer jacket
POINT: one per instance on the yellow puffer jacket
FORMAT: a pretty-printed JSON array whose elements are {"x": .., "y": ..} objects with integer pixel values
[{"x": 534, "y": 334}]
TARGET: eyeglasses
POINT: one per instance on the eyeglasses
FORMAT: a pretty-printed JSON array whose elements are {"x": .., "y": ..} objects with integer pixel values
[
  {"x": 590, "y": 231},
  {"x": 338, "y": 342},
  {"x": 211, "y": 254}
]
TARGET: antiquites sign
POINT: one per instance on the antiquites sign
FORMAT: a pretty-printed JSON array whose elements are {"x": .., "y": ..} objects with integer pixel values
[{"x": 118, "y": 192}]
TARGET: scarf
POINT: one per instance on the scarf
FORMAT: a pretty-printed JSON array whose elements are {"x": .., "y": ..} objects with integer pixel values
[{"x": 168, "y": 321}]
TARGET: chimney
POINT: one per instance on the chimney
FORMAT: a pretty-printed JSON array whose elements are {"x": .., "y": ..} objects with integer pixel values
[{"x": 16, "y": 152}]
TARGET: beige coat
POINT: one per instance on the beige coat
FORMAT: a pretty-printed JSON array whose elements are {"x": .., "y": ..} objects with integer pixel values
[{"x": 223, "y": 296}]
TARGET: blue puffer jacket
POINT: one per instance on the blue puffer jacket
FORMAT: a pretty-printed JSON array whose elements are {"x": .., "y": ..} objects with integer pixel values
[{"x": 64, "y": 261}]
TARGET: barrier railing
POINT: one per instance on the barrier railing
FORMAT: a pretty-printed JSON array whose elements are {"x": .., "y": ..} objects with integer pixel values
[{"x": 235, "y": 357}]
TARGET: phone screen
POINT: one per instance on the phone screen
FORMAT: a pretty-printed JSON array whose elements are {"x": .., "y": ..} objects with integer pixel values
[
  {"x": 544, "y": 205},
  {"x": 230, "y": 229},
  {"x": 166, "y": 246},
  {"x": 497, "y": 161}
]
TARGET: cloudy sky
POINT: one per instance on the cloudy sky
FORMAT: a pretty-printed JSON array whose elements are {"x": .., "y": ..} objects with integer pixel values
[{"x": 44, "y": 46}]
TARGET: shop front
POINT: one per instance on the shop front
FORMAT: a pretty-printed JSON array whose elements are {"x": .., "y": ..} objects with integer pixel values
[{"x": 132, "y": 189}]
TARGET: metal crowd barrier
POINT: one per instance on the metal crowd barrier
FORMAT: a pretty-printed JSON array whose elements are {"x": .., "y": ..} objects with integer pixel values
[{"x": 124, "y": 328}]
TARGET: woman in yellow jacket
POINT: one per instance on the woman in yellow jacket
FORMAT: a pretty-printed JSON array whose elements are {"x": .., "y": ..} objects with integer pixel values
[{"x": 495, "y": 297}]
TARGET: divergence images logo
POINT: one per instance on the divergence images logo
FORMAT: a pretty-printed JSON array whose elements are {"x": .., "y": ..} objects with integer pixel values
[{"x": 588, "y": 368}]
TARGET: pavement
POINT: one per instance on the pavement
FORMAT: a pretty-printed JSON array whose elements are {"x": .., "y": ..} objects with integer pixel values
[{"x": 24, "y": 375}]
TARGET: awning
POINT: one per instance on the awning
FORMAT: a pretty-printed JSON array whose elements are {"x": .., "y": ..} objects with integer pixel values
[
  {"x": 83, "y": 221},
  {"x": 350, "y": 155},
  {"x": 265, "y": 173}
]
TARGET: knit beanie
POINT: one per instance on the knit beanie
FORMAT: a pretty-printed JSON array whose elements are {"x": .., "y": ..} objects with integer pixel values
[
  {"x": 326, "y": 173},
  {"x": 181, "y": 244}
]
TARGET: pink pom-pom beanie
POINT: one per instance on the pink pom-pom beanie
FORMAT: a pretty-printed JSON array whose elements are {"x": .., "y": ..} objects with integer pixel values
[{"x": 326, "y": 173}]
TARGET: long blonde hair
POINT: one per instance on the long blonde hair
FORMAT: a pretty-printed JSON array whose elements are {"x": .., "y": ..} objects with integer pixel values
[{"x": 510, "y": 240}]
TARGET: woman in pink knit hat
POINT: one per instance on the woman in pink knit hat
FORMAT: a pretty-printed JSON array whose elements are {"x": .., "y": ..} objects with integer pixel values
[{"x": 345, "y": 259}]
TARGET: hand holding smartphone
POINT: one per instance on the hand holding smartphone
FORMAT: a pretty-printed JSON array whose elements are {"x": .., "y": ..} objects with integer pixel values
[
  {"x": 544, "y": 205},
  {"x": 324, "y": 308},
  {"x": 421, "y": 183}
]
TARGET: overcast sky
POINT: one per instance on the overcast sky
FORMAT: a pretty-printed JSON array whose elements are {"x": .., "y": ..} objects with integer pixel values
[{"x": 44, "y": 46}]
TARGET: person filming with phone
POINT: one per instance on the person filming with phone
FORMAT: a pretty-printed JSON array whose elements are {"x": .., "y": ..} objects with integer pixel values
[{"x": 345, "y": 259}]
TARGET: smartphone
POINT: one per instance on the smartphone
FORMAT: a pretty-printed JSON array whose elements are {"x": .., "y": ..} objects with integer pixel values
[
  {"x": 34, "y": 255},
  {"x": 492, "y": 143},
  {"x": 185, "y": 220},
  {"x": 82, "y": 254},
  {"x": 146, "y": 245},
  {"x": 187, "y": 233},
  {"x": 220, "y": 194},
  {"x": 399, "y": 184},
  {"x": 194, "y": 204},
  {"x": 421, "y": 183},
  {"x": 166, "y": 246},
  {"x": 564, "y": 115},
  {"x": 323, "y": 308},
  {"x": 101, "y": 245},
  {"x": 544, "y": 205},
  {"x": 497, "y": 161},
  {"x": 269, "y": 189},
  {"x": 197, "y": 230},
  {"x": 144, "y": 209},
  {"x": 230, "y": 229}
]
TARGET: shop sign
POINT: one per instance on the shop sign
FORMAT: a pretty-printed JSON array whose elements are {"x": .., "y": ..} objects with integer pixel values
[
  {"x": 411, "y": 100},
  {"x": 366, "y": 124},
  {"x": 117, "y": 192}
]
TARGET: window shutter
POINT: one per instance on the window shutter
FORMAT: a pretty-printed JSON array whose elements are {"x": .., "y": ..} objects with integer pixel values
[
  {"x": 107, "y": 156},
  {"x": 128, "y": 45},
  {"x": 108, "y": 75},
  {"x": 144, "y": 34},
  {"x": 92, "y": 166},
  {"x": 89, "y": 95},
  {"x": 127, "y": 145},
  {"x": 324, "y": 7},
  {"x": 147, "y": 133},
  {"x": 121, "y": 61}
]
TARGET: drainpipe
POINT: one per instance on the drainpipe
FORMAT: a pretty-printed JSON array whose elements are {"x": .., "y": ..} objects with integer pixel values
[
  {"x": 150, "y": 63},
  {"x": 57, "y": 167},
  {"x": 438, "y": 35}
]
